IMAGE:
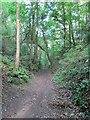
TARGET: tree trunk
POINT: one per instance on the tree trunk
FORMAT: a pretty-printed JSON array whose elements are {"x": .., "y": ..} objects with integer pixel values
[
  {"x": 17, "y": 37},
  {"x": 40, "y": 58},
  {"x": 86, "y": 23},
  {"x": 88, "y": 28},
  {"x": 69, "y": 35},
  {"x": 36, "y": 36},
  {"x": 28, "y": 38},
  {"x": 64, "y": 34},
  {"x": 76, "y": 36},
  {"x": 86, "y": 17},
  {"x": 46, "y": 47},
  {"x": 72, "y": 34},
  {"x": 31, "y": 39},
  {"x": 21, "y": 45},
  {"x": 79, "y": 24},
  {"x": 70, "y": 27},
  {"x": 64, "y": 24}
]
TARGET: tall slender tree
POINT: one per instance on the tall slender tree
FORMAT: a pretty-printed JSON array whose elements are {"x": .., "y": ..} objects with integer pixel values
[
  {"x": 72, "y": 34},
  {"x": 70, "y": 25},
  {"x": 46, "y": 46},
  {"x": 36, "y": 36},
  {"x": 17, "y": 36},
  {"x": 32, "y": 32},
  {"x": 64, "y": 21}
]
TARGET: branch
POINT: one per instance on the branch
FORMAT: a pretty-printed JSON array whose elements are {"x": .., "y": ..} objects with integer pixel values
[
  {"x": 56, "y": 19},
  {"x": 24, "y": 39},
  {"x": 41, "y": 48},
  {"x": 33, "y": 43},
  {"x": 14, "y": 35}
]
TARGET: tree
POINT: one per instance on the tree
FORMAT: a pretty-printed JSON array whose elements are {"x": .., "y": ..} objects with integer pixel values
[
  {"x": 32, "y": 32},
  {"x": 46, "y": 46},
  {"x": 43, "y": 26},
  {"x": 17, "y": 36},
  {"x": 72, "y": 33},
  {"x": 64, "y": 20},
  {"x": 36, "y": 36}
]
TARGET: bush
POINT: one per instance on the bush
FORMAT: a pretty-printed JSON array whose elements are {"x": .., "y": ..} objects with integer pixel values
[
  {"x": 15, "y": 77},
  {"x": 74, "y": 73},
  {"x": 21, "y": 76}
]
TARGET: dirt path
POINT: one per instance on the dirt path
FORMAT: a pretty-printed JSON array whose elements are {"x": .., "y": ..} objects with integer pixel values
[
  {"x": 41, "y": 91},
  {"x": 40, "y": 99}
]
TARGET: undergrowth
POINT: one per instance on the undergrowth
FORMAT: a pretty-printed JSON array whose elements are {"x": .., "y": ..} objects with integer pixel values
[
  {"x": 21, "y": 76},
  {"x": 73, "y": 74}
]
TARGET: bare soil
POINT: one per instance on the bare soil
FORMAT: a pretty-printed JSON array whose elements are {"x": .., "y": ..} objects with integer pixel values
[{"x": 40, "y": 99}]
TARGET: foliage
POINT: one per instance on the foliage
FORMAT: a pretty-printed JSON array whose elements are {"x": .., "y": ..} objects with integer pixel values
[
  {"x": 74, "y": 74},
  {"x": 63, "y": 29},
  {"x": 53, "y": 25},
  {"x": 20, "y": 77}
]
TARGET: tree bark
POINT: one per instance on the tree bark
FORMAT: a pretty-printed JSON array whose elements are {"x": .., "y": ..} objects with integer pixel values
[
  {"x": 17, "y": 36},
  {"x": 40, "y": 57},
  {"x": 31, "y": 39},
  {"x": 29, "y": 32},
  {"x": 72, "y": 34},
  {"x": 70, "y": 27},
  {"x": 64, "y": 24},
  {"x": 36, "y": 36},
  {"x": 79, "y": 24},
  {"x": 46, "y": 47},
  {"x": 69, "y": 35}
]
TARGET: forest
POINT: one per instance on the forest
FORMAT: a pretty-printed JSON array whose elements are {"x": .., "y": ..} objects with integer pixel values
[{"x": 44, "y": 59}]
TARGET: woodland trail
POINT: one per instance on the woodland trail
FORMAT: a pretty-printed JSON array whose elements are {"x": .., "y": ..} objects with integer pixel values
[
  {"x": 41, "y": 91},
  {"x": 40, "y": 99}
]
